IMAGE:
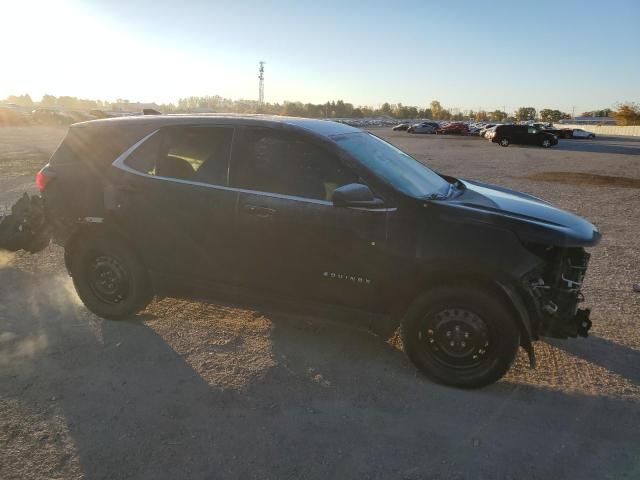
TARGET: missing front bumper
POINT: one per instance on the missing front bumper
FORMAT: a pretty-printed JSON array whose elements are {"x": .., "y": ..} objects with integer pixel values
[{"x": 578, "y": 325}]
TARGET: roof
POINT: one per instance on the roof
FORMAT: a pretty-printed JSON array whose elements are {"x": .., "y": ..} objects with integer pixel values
[{"x": 324, "y": 128}]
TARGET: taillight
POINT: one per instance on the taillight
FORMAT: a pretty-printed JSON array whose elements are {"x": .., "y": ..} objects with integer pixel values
[{"x": 44, "y": 177}]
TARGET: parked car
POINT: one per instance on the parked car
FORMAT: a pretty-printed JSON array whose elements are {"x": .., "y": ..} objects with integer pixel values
[
  {"x": 424, "y": 127},
  {"x": 453, "y": 129},
  {"x": 558, "y": 132},
  {"x": 505, "y": 135},
  {"x": 46, "y": 116},
  {"x": 490, "y": 132},
  {"x": 485, "y": 129},
  {"x": 580, "y": 133},
  {"x": 401, "y": 126},
  {"x": 315, "y": 211}
]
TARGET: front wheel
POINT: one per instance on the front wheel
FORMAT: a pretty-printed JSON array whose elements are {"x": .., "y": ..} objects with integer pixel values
[
  {"x": 460, "y": 336},
  {"x": 109, "y": 277},
  {"x": 546, "y": 143},
  {"x": 504, "y": 142}
]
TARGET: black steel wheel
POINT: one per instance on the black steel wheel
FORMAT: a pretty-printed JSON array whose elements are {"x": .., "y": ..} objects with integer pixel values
[
  {"x": 460, "y": 336},
  {"x": 109, "y": 277},
  {"x": 457, "y": 338}
]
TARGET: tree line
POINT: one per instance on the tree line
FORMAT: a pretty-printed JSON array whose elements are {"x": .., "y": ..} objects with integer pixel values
[{"x": 626, "y": 113}]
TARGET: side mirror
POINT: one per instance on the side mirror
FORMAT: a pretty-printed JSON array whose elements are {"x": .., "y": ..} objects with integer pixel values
[{"x": 355, "y": 195}]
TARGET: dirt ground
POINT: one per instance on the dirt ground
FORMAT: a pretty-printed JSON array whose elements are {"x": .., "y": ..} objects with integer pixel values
[{"x": 191, "y": 390}]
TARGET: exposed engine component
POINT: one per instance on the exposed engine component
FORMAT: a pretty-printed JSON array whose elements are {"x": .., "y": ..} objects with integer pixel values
[{"x": 557, "y": 291}]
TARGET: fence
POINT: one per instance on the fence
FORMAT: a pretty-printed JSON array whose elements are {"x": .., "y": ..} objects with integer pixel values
[{"x": 606, "y": 129}]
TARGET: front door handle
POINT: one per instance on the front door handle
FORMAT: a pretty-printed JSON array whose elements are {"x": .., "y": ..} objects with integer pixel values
[{"x": 262, "y": 212}]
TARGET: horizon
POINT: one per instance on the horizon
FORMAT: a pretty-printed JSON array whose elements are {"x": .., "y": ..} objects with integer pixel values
[{"x": 93, "y": 50}]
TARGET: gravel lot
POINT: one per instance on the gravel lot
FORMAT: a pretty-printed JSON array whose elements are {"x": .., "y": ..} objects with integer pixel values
[{"x": 193, "y": 390}]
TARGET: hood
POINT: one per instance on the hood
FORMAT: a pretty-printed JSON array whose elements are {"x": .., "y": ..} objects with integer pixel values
[{"x": 531, "y": 218}]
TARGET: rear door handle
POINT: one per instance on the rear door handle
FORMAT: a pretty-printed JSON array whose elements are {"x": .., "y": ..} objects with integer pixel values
[{"x": 256, "y": 211}]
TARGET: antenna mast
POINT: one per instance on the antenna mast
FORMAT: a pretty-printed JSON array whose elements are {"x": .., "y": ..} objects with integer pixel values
[{"x": 261, "y": 86}]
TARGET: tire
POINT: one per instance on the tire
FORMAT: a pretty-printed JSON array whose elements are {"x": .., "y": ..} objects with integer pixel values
[
  {"x": 546, "y": 143},
  {"x": 568, "y": 135},
  {"x": 504, "y": 142},
  {"x": 591, "y": 137},
  {"x": 109, "y": 277},
  {"x": 462, "y": 315}
]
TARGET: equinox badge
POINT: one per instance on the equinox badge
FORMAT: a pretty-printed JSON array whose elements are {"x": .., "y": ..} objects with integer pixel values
[{"x": 350, "y": 278}]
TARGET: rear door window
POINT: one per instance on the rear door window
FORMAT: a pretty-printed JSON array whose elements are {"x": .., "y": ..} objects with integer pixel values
[
  {"x": 269, "y": 161},
  {"x": 198, "y": 154}
]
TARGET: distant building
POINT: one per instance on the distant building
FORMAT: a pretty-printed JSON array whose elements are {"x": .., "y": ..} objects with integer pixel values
[{"x": 590, "y": 121}]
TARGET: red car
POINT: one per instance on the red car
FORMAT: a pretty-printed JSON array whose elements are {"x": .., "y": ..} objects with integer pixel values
[{"x": 453, "y": 129}]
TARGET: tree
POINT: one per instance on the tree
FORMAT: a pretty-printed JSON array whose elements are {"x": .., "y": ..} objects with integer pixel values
[
  {"x": 385, "y": 109},
  {"x": 22, "y": 100},
  {"x": 482, "y": 116},
  {"x": 628, "y": 114},
  {"x": 526, "y": 113},
  {"x": 48, "y": 101},
  {"x": 548, "y": 115},
  {"x": 605, "y": 112},
  {"x": 497, "y": 116},
  {"x": 436, "y": 110}
]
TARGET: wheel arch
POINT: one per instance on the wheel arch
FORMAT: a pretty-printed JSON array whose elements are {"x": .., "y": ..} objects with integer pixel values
[
  {"x": 85, "y": 232},
  {"x": 497, "y": 285}
]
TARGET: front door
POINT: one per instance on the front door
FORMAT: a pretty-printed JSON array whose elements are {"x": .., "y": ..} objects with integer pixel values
[{"x": 293, "y": 240}]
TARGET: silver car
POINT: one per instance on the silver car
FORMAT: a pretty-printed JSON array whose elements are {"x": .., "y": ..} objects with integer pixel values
[{"x": 424, "y": 127}]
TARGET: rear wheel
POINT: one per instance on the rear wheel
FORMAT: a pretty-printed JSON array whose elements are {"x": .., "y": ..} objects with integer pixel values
[
  {"x": 504, "y": 142},
  {"x": 109, "y": 277},
  {"x": 546, "y": 143},
  {"x": 460, "y": 336}
]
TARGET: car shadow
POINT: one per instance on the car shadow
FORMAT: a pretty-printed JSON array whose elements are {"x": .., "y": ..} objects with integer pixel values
[
  {"x": 333, "y": 402},
  {"x": 623, "y": 361}
]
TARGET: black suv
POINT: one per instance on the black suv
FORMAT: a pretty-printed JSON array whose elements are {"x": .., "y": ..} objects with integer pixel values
[
  {"x": 315, "y": 213},
  {"x": 524, "y": 135}
]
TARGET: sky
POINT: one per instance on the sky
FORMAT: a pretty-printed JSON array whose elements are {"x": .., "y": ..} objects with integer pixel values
[{"x": 498, "y": 54}]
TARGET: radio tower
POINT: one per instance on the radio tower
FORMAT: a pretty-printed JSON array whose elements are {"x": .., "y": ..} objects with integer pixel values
[{"x": 261, "y": 88}]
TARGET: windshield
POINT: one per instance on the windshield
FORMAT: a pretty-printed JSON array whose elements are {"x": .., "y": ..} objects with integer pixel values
[{"x": 393, "y": 165}]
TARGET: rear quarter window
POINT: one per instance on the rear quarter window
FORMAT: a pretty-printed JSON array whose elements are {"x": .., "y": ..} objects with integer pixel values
[{"x": 95, "y": 146}]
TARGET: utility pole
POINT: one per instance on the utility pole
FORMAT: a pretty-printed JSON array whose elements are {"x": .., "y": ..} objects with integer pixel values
[{"x": 261, "y": 86}]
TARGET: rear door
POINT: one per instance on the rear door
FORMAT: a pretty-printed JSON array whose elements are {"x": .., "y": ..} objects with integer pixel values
[
  {"x": 290, "y": 237},
  {"x": 532, "y": 136},
  {"x": 174, "y": 200}
]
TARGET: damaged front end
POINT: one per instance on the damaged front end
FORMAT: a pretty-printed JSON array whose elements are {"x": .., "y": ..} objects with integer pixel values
[
  {"x": 24, "y": 226},
  {"x": 556, "y": 291}
]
